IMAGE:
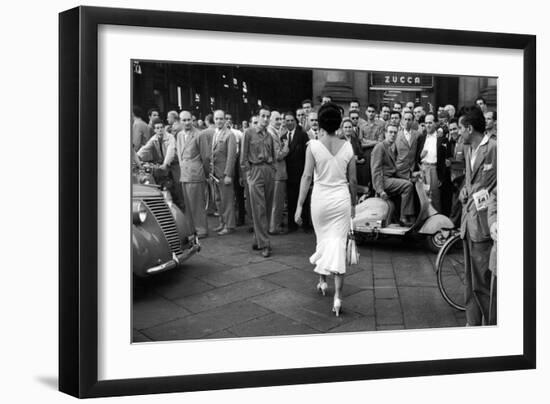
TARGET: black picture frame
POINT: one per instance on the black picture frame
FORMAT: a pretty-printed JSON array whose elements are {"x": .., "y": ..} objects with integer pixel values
[{"x": 78, "y": 179}]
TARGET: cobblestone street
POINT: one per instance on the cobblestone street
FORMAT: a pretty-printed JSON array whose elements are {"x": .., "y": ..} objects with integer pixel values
[{"x": 228, "y": 290}]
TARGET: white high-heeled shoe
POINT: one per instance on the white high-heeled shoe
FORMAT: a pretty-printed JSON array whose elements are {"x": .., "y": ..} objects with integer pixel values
[
  {"x": 337, "y": 306},
  {"x": 322, "y": 287}
]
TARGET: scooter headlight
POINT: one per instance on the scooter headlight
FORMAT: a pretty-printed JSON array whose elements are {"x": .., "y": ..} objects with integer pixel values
[{"x": 139, "y": 212}]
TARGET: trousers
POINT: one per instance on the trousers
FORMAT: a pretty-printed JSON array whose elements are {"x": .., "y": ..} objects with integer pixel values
[
  {"x": 195, "y": 204},
  {"x": 477, "y": 294},
  {"x": 279, "y": 193},
  {"x": 404, "y": 188},
  {"x": 225, "y": 203},
  {"x": 260, "y": 186}
]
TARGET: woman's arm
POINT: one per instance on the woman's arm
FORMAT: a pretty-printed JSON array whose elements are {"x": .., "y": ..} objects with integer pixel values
[{"x": 352, "y": 181}]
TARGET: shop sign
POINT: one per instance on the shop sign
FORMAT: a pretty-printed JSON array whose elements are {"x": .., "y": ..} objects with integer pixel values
[{"x": 390, "y": 79}]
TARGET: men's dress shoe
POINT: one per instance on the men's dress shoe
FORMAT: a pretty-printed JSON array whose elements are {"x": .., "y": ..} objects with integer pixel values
[
  {"x": 225, "y": 231},
  {"x": 203, "y": 235},
  {"x": 266, "y": 252},
  {"x": 255, "y": 247},
  {"x": 251, "y": 229},
  {"x": 219, "y": 228},
  {"x": 405, "y": 223}
]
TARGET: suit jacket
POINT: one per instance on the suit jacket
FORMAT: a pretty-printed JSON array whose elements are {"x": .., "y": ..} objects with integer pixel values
[
  {"x": 482, "y": 176},
  {"x": 406, "y": 161},
  {"x": 456, "y": 157},
  {"x": 223, "y": 154},
  {"x": 158, "y": 151},
  {"x": 382, "y": 163},
  {"x": 193, "y": 156},
  {"x": 280, "y": 155},
  {"x": 296, "y": 158},
  {"x": 443, "y": 152}
]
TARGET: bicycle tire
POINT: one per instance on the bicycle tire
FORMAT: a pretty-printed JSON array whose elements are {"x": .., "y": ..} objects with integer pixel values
[{"x": 451, "y": 272}]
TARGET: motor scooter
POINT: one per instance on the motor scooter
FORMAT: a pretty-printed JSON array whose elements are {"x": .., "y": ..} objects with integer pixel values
[{"x": 373, "y": 219}]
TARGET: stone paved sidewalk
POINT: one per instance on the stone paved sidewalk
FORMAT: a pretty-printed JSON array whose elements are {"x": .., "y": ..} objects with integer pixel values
[{"x": 229, "y": 290}]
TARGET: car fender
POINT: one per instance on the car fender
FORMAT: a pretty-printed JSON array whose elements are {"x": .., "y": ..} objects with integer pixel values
[
  {"x": 435, "y": 223},
  {"x": 149, "y": 247},
  {"x": 183, "y": 223}
]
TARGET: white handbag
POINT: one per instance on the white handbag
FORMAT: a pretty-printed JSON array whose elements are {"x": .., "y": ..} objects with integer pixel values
[{"x": 352, "y": 254}]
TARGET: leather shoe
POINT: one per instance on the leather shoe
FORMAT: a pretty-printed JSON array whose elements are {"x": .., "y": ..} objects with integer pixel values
[
  {"x": 255, "y": 247},
  {"x": 266, "y": 252},
  {"x": 225, "y": 231},
  {"x": 203, "y": 235},
  {"x": 219, "y": 228}
]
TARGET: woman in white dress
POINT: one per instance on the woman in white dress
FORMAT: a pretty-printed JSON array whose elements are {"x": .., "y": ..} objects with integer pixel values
[{"x": 330, "y": 161}]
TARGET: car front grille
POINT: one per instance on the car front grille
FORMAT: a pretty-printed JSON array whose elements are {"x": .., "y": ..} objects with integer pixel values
[{"x": 164, "y": 217}]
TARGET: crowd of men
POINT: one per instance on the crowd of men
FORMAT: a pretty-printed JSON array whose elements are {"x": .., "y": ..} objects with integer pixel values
[{"x": 255, "y": 168}]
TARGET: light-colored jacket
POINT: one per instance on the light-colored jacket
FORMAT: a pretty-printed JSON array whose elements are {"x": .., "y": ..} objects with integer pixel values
[
  {"x": 482, "y": 176},
  {"x": 155, "y": 149},
  {"x": 223, "y": 154},
  {"x": 193, "y": 156},
  {"x": 280, "y": 154}
]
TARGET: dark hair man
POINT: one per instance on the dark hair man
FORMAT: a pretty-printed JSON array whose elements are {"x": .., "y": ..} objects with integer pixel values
[
  {"x": 385, "y": 179},
  {"x": 152, "y": 113},
  {"x": 257, "y": 162},
  {"x": 482, "y": 104},
  {"x": 406, "y": 144},
  {"x": 295, "y": 161},
  {"x": 480, "y": 181},
  {"x": 385, "y": 112},
  {"x": 325, "y": 99},
  {"x": 491, "y": 124}
]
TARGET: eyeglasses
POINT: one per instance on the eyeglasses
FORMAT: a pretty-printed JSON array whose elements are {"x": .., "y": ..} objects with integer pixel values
[{"x": 355, "y": 119}]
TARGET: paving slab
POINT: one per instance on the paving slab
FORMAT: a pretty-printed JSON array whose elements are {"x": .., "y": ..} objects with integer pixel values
[
  {"x": 383, "y": 270},
  {"x": 414, "y": 271},
  {"x": 425, "y": 308},
  {"x": 271, "y": 324},
  {"x": 206, "y": 323},
  {"x": 225, "y": 295},
  {"x": 238, "y": 274},
  {"x": 361, "y": 302},
  {"x": 316, "y": 313},
  {"x": 390, "y": 327},
  {"x": 388, "y": 312},
  {"x": 186, "y": 286},
  {"x": 359, "y": 325},
  {"x": 362, "y": 280},
  {"x": 153, "y": 309}
]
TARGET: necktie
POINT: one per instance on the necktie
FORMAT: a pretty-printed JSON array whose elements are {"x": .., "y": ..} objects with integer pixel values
[{"x": 160, "y": 149}]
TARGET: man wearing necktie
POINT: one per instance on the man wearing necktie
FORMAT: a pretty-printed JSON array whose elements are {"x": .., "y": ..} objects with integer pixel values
[
  {"x": 275, "y": 129},
  {"x": 295, "y": 161},
  {"x": 222, "y": 167},
  {"x": 192, "y": 149},
  {"x": 313, "y": 124},
  {"x": 405, "y": 144},
  {"x": 257, "y": 162},
  {"x": 385, "y": 179}
]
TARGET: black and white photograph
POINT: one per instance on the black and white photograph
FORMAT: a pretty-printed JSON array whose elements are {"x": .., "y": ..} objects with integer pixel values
[{"x": 285, "y": 201}]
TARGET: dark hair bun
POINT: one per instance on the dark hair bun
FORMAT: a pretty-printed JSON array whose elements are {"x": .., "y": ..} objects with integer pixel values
[{"x": 330, "y": 117}]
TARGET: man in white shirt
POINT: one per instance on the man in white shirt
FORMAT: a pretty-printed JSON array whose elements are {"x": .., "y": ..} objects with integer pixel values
[
  {"x": 432, "y": 160},
  {"x": 313, "y": 123}
]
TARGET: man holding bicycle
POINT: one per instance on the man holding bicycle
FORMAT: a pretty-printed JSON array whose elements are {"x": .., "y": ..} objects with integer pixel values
[{"x": 480, "y": 181}]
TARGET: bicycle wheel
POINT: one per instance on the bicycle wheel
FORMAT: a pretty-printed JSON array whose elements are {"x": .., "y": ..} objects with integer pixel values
[{"x": 451, "y": 272}]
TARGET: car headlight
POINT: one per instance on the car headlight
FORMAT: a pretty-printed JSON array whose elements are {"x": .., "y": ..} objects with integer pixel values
[{"x": 139, "y": 212}]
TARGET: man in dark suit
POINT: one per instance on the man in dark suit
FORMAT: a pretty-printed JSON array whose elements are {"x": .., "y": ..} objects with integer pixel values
[
  {"x": 295, "y": 160},
  {"x": 480, "y": 181},
  {"x": 385, "y": 178}
]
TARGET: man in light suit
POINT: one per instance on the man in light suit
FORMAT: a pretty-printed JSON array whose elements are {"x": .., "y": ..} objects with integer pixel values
[
  {"x": 223, "y": 146},
  {"x": 385, "y": 179},
  {"x": 480, "y": 181},
  {"x": 192, "y": 151},
  {"x": 405, "y": 145},
  {"x": 275, "y": 129}
]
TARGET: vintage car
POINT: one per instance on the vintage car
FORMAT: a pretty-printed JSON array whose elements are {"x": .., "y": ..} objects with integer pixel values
[{"x": 162, "y": 235}]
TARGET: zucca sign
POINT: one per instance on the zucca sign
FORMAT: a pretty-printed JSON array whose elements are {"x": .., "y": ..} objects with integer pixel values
[{"x": 390, "y": 79}]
